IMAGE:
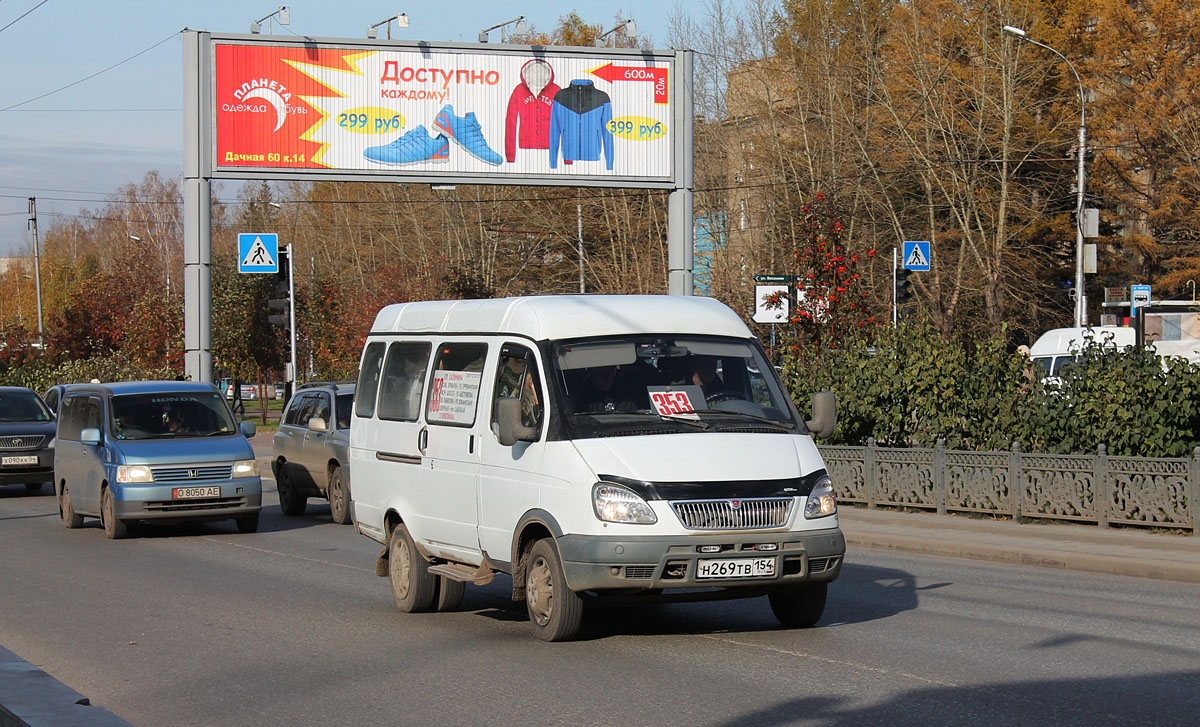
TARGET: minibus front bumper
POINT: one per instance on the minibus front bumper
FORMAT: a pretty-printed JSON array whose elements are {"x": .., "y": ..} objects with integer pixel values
[{"x": 720, "y": 560}]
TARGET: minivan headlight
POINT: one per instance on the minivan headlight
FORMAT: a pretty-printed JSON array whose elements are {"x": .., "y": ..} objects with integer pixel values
[
  {"x": 821, "y": 502},
  {"x": 245, "y": 468},
  {"x": 134, "y": 474},
  {"x": 50, "y": 445},
  {"x": 616, "y": 504}
]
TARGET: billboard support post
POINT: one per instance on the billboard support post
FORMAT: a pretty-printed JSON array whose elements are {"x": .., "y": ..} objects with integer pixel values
[
  {"x": 197, "y": 206},
  {"x": 681, "y": 236}
]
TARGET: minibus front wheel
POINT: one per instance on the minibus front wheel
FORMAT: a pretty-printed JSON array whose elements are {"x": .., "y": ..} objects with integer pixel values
[{"x": 555, "y": 611}]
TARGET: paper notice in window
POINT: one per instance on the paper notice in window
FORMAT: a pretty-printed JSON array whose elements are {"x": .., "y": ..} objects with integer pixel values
[{"x": 454, "y": 397}]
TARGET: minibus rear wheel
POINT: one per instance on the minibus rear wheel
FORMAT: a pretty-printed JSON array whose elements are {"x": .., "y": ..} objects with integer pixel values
[
  {"x": 449, "y": 594},
  {"x": 555, "y": 611},
  {"x": 414, "y": 587},
  {"x": 799, "y": 607}
]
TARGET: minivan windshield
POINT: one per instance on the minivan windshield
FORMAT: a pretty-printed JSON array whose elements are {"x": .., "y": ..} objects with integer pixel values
[
  {"x": 23, "y": 406},
  {"x": 167, "y": 414},
  {"x": 662, "y": 384}
]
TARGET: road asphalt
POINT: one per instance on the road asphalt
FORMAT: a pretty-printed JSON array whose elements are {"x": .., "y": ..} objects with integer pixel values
[{"x": 31, "y": 697}]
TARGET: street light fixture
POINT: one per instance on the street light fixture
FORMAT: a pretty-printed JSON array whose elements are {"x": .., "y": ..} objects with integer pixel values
[
  {"x": 401, "y": 22},
  {"x": 630, "y": 32},
  {"x": 282, "y": 14},
  {"x": 1081, "y": 182},
  {"x": 521, "y": 28}
]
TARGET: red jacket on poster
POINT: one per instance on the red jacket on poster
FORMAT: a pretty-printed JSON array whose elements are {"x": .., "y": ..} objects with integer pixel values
[{"x": 529, "y": 109}]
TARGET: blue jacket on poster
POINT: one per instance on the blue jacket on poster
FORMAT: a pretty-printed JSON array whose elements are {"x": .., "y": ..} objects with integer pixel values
[{"x": 579, "y": 124}]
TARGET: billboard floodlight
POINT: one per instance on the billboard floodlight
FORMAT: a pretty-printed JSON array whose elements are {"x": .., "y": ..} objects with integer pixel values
[
  {"x": 283, "y": 15},
  {"x": 630, "y": 32},
  {"x": 401, "y": 22},
  {"x": 520, "y": 28}
]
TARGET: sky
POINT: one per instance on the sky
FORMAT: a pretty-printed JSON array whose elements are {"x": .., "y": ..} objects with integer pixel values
[{"x": 74, "y": 148}]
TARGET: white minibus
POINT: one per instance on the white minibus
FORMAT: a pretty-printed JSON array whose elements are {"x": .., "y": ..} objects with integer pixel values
[{"x": 589, "y": 446}]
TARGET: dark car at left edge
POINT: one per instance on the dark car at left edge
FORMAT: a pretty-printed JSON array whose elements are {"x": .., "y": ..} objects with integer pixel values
[{"x": 26, "y": 438}]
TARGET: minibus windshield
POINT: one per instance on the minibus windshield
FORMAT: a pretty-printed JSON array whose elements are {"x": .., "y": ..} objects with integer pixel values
[
  {"x": 651, "y": 384},
  {"x": 170, "y": 414}
]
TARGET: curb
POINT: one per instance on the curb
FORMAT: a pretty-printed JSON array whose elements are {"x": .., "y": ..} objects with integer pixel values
[
  {"x": 29, "y": 697},
  {"x": 1123, "y": 565}
]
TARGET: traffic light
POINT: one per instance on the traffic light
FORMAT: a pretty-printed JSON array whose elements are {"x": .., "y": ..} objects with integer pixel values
[
  {"x": 904, "y": 291},
  {"x": 282, "y": 288},
  {"x": 281, "y": 319}
]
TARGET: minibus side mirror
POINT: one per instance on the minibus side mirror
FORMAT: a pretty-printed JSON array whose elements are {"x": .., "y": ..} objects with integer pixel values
[
  {"x": 317, "y": 424},
  {"x": 90, "y": 436},
  {"x": 248, "y": 428},
  {"x": 508, "y": 421},
  {"x": 824, "y": 409}
]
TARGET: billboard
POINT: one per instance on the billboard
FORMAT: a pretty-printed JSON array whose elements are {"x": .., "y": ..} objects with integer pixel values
[{"x": 465, "y": 112}]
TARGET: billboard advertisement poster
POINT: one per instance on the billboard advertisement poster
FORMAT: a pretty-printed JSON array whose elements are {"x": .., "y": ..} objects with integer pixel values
[{"x": 456, "y": 111}]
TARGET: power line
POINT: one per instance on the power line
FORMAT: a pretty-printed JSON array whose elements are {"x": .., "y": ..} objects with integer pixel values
[
  {"x": 97, "y": 73},
  {"x": 30, "y": 10}
]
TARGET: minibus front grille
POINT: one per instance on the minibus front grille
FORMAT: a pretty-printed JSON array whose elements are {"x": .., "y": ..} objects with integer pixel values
[
  {"x": 30, "y": 441},
  {"x": 734, "y": 513},
  {"x": 192, "y": 474}
]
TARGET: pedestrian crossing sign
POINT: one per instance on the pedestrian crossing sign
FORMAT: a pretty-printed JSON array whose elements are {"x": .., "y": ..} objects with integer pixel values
[
  {"x": 916, "y": 255},
  {"x": 258, "y": 252}
]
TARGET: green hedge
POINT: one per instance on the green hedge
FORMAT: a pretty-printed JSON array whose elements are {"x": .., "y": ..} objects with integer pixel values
[
  {"x": 41, "y": 374},
  {"x": 910, "y": 387}
]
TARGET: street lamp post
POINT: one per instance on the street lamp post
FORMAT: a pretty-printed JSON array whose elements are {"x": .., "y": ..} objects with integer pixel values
[{"x": 1080, "y": 290}]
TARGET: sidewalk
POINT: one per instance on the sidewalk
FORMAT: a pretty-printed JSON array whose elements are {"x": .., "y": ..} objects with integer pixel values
[{"x": 1116, "y": 551}]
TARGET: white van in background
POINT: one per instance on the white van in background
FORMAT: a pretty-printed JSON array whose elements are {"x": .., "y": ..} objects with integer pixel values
[
  {"x": 589, "y": 446},
  {"x": 1057, "y": 348}
]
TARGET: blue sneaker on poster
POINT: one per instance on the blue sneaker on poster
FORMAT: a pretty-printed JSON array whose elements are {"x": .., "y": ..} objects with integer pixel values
[
  {"x": 414, "y": 147},
  {"x": 466, "y": 131}
]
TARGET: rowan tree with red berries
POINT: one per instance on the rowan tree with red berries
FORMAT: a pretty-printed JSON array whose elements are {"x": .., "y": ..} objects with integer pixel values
[{"x": 828, "y": 298}]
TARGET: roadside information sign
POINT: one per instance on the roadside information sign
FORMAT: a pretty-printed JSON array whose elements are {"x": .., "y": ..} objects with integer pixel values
[
  {"x": 771, "y": 303},
  {"x": 916, "y": 255},
  {"x": 1139, "y": 295},
  {"x": 258, "y": 252}
]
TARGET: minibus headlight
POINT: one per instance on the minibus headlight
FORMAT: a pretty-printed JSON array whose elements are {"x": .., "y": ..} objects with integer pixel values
[
  {"x": 134, "y": 474},
  {"x": 245, "y": 468},
  {"x": 616, "y": 504},
  {"x": 821, "y": 502}
]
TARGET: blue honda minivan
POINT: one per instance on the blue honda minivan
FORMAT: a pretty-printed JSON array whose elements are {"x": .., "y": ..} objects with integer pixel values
[{"x": 153, "y": 451}]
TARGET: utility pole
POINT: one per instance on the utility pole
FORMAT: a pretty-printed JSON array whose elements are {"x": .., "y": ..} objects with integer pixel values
[
  {"x": 579, "y": 232},
  {"x": 292, "y": 316},
  {"x": 37, "y": 272}
]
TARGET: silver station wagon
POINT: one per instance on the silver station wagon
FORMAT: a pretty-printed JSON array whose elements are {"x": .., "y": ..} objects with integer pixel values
[{"x": 161, "y": 451}]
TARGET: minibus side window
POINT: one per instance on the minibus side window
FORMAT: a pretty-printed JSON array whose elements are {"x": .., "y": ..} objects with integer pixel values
[
  {"x": 368, "y": 379},
  {"x": 453, "y": 395},
  {"x": 403, "y": 381},
  {"x": 517, "y": 378}
]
